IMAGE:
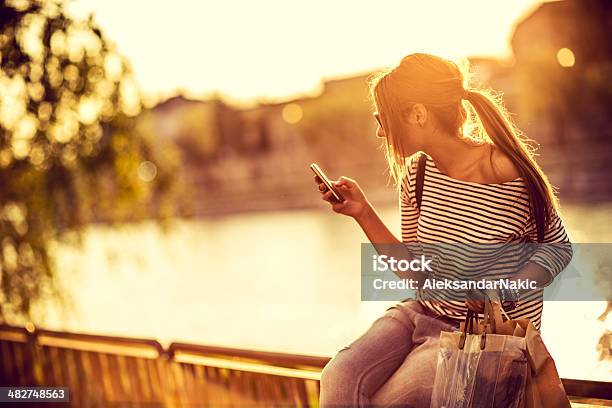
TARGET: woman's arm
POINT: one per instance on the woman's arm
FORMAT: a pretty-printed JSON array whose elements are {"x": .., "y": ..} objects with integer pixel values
[
  {"x": 374, "y": 227},
  {"x": 549, "y": 258},
  {"x": 361, "y": 210}
]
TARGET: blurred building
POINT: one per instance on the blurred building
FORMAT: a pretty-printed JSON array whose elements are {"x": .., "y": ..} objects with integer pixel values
[
  {"x": 556, "y": 88},
  {"x": 562, "y": 65},
  {"x": 257, "y": 159}
]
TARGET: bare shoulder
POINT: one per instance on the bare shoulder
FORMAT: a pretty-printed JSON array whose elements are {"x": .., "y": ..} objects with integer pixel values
[{"x": 503, "y": 167}]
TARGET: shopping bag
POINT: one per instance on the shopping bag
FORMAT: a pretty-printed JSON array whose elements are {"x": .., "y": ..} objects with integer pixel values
[
  {"x": 480, "y": 369},
  {"x": 543, "y": 386}
]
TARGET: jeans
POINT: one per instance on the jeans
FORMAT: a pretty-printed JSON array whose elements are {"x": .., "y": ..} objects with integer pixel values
[{"x": 392, "y": 364}]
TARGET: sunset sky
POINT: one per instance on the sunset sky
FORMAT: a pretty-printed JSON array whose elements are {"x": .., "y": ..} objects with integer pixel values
[{"x": 274, "y": 49}]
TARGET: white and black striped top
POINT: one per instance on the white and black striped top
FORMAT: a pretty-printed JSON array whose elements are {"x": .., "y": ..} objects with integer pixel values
[{"x": 463, "y": 212}]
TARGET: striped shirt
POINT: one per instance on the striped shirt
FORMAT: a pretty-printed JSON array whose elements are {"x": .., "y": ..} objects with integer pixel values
[{"x": 461, "y": 212}]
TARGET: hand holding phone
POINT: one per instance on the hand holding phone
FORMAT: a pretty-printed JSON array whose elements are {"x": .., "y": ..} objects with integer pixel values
[
  {"x": 345, "y": 195},
  {"x": 317, "y": 170}
]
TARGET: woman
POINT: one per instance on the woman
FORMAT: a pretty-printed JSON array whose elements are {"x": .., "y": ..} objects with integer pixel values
[{"x": 481, "y": 185}]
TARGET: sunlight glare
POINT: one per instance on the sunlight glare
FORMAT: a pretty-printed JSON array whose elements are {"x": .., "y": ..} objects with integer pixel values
[{"x": 270, "y": 49}]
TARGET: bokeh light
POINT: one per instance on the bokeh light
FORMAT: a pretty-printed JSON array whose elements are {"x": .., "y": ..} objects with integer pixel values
[
  {"x": 566, "y": 57},
  {"x": 147, "y": 171},
  {"x": 292, "y": 113}
]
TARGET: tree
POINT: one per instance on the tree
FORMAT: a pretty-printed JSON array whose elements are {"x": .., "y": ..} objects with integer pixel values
[{"x": 69, "y": 151}]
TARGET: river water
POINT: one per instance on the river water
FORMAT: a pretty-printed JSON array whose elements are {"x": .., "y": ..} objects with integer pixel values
[{"x": 282, "y": 281}]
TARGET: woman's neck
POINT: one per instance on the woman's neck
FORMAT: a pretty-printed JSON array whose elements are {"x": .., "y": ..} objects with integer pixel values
[{"x": 458, "y": 158}]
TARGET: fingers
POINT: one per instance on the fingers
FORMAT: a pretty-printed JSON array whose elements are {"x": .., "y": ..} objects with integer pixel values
[
  {"x": 327, "y": 196},
  {"x": 344, "y": 182},
  {"x": 330, "y": 198}
]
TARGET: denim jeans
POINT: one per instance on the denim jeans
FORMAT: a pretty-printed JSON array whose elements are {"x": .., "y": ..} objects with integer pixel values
[{"x": 393, "y": 364}]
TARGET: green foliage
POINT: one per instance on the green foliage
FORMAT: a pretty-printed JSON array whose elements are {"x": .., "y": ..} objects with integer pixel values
[{"x": 70, "y": 152}]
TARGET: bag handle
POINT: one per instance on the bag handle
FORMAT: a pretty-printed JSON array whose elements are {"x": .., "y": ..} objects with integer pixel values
[
  {"x": 488, "y": 320},
  {"x": 420, "y": 179},
  {"x": 489, "y": 316},
  {"x": 468, "y": 327}
]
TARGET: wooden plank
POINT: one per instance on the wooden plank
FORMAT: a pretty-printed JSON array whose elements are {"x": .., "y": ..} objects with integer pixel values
[
  {"x": 137, "y": 392},
  {"x": 166, "y": 376},
  {"x": 199, "y": 373},
  {"x": 578, "y": 402},
  {"x": 94, "y": 389},
  {"x": 212, "y": 388},
  {"x": 74, "y": 383},
  {"x": 142, "y": 379},
  {"x": 256, "y": 367},
  {"x": 154, "y": 380},
  {"x": 312, "y": 389},
  {"x": 55, "y": 361},
  {"x": 297, "y": 394},
  {"x": 257, "y": 356},
  {"x": 8, "y": 368},
  {"x": 221, "y": 394},
  {"x": 106, "y": 375},
  {"x": 179, "y": 383},
  {"x": 18, "y": 355},
  {"x": 588, "y": 389},
  {"x": 189, "y": 391}
]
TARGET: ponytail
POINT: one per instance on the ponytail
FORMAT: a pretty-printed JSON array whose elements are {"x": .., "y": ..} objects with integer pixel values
[{"x": 510, "y": 141}]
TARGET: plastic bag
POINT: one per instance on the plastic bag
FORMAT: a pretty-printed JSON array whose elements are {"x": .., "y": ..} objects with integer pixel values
[{"x": 480, "y": 370}]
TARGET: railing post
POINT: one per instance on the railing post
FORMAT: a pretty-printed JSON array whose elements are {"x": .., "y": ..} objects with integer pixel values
[
  {"x": 164, "y": 364},
  {"x": 33, "y": 351}
]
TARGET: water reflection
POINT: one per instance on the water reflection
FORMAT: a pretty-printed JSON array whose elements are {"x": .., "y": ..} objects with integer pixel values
[{"x": 287, "y": 281}]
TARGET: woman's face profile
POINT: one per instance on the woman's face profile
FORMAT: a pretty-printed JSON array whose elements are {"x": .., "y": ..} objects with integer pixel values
[
  {"x": 379, "y": 130},
  {"x": 414, "y": 125}
]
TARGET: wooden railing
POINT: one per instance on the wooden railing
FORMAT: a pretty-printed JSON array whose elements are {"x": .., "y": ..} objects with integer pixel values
[{"x": 103, "y": 371}]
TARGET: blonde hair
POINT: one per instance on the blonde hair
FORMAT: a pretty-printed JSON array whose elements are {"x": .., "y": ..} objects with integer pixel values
[{"x": 474, "y": 114}]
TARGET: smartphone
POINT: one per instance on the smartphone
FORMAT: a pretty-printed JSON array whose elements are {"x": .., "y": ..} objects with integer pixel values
[{"x": 317, "y": 170}]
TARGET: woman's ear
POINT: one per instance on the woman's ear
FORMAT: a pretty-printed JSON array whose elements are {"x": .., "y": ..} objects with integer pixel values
[
  {"x": 417, "y": 115},
  {"x": 420, "y": 113}
]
